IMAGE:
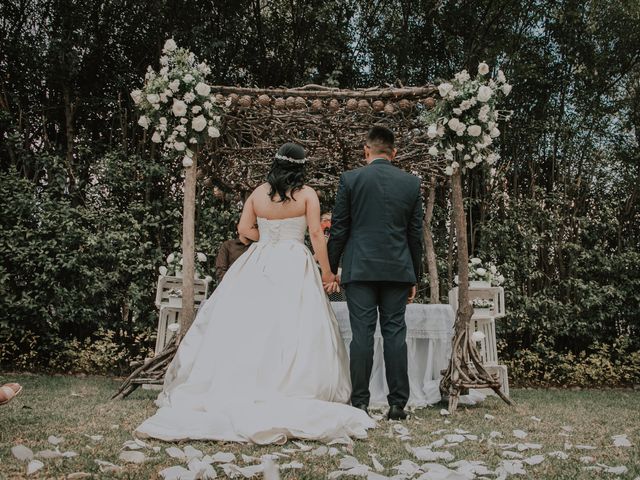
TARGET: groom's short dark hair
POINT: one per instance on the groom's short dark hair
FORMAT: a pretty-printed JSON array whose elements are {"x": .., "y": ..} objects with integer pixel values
[{"x": 381, "y": 140}]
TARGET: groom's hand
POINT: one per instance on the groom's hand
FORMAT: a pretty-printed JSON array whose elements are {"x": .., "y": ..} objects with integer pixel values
[{"x": 412, "y": 294}]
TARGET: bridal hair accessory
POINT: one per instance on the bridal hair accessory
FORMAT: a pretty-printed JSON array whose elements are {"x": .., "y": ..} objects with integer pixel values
[{"x": 289, "y": 159}]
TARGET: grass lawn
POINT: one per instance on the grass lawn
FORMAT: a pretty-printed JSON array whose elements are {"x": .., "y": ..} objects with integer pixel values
[{"x": 75, "y": 407}]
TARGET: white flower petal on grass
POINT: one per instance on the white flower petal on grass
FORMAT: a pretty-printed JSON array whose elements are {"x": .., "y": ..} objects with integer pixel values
[
  {"x": 175, "y": 473},
  {"x": 201, "y": 470},
  {"x": 512, "y": 467},
  {"x": 132, "y": 456},
  {"x": 455, "y": 438},
  {"x": 587, "y": 459},
  {"x": 495, "y": 434},
  {"x": 427, "y": 455},
  {"x": 175, "y": 452},
  {"x": 558, "y": 454},
  {"x": 529, "y": 446},
  {"x": 95, "y": 438},
  {"x": 34, "y": 466},
  {"x": 78, "y": 476},
  {"x": 488, "y": 416},
  {"x": 223, "y": 457},
  {"x": 621, "y": 441},
  {"x": 69, "y": 454},
  {"x": 621, "y": 470},
  {"x": 22, "y": 453},
  {"x": 407, "y": 468},
  {"x": 444, "y": 411},
  {"x": 376, "y": 463},
  {"x": 534, "y": 460},
  {"x": 585, "y": 447},
  {"x": 535, "y": 419},
  {"x": 53, "y": 440},
  {"x": 249, "y": 459},
  {"x": 49, "y": 454},
  {"x": 401, "y": 429},
  {"x": 520, "y": 434},
  {"x": 134, "y": 444},
  {"x": 191, "y": 452},
  {"x": 108, "y": 467},
  {"x": 291, "y": 466},
  {"x": 320, "y": 451}
]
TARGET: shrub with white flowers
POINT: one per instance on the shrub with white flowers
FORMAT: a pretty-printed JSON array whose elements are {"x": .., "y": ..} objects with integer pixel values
[
  {"x": 463, "y": 124},
  {"x": 176, "y": 103},
  {"x": 174, "y": 265}
]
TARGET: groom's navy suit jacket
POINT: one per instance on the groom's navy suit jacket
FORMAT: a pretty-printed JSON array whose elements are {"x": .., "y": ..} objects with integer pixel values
[{"x": 377, "y": 225}]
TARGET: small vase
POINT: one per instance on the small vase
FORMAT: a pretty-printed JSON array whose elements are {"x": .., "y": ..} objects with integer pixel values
[
  {"x": 481, "y": 311},
  {"x": 479, "y": 284},
  {"x": 175, "y": 302}
]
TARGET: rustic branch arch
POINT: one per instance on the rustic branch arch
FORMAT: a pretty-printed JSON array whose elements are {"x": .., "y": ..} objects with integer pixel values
[{"x": 331, "y": 124}]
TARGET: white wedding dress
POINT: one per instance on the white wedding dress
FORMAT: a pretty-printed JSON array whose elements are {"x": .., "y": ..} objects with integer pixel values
[{"x": 263, "y": 360}]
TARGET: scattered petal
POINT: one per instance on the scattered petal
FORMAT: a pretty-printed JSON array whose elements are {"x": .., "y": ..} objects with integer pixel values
[
  {"x": 454, "y": 438},
  {"x": 378, "y": 467},
  {"x": 78, "y": 475},
  {"x": 534, "y": 460},
  {"x": 510, "y": 454},
  {"x": 224, "y": 457},
  {"x": 69, "y": 454},
  {"x": 528, "y": 446},
  {"x": 512, "y": 467},
  {"x": 34, "y": 466},
  {"x": 271, "y": 471},
  {"x": 95, "y": 438},
  {"x": 191, "y": 452},
  {"x": 132, "y": 456},
  {"x": 47, "y": 454},
  {"x": 585, "y": 447},
  {"x": 292, "y": 465},
  {"x": 175, "y": 473},
  {"x": 621, "y": 441},
  {"x": 488, "y": 416},
  {"x": 175, "y": 452},
  {"x": 22, "y": 453},
  {"x": 134, "y": 444},
  {"x": 495, "y": 435},
  {"x": 521, "y": 434},
  {"x": 445, "y": 412},
  {"x": 427, "y": 455},
  {"x": 587, "y": 459},
  {"x": 108, "y": 467},
  {"x": 536, "y": 419},
  {"x": 53, "y": 440},
  {"x": 621, "y": 470},
  {"x": 320, "y": 451}
]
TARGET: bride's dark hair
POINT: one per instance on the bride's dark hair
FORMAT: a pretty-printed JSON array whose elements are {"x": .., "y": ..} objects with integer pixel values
[{"x": 287, "y": 176}]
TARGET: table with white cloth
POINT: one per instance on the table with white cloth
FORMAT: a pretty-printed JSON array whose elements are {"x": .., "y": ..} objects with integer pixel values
[{"x": 429, "y": 335}]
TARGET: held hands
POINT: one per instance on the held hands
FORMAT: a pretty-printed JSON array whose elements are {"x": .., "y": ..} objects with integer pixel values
[{"x": 330, "y": 282}]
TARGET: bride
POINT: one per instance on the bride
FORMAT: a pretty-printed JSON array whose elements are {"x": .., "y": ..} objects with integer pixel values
[{"x": 263, "y": 361}]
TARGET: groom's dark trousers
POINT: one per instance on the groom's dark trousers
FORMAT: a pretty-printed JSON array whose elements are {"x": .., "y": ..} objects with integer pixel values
[{"x": 376, "y": 229}]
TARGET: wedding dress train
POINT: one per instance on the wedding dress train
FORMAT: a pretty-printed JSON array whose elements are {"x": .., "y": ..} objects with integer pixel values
[{"x": 263, "y": 360}]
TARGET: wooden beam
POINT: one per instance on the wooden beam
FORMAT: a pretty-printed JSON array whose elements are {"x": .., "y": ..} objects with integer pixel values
[{"x": 316, "y": 92}]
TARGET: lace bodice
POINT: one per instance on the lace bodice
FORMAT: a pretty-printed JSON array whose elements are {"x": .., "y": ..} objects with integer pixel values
[{"x": 283, "y": 229}]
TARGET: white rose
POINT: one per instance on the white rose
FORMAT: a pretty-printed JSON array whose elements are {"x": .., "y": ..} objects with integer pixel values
[
  {"x": 163, "y": 270},
  {"x": 193, "y": 140},
  {"x": 170, "y": 45},
  {"x": 204, "y": 68},
  {"x": 184, "y": 121},
  {"x": 457, "y": 111},
  {"x": 203, "y": 89},
  {"x": 174, "y": 327},
  {"x": 481, "y": 272},
  {"x": 459, "y": 147},
  {"x": 163, "y": 98},
  {"x": 164, "y": 71},
  {"x": 202, "y": 257},
  {"x": 475, "y": 261},
  {"x": 179, "y": 108},
  {"x": 174, "y": 85},
  {"x": 494, "y": 132},
  {"x": 187, "y": 161},
  {"x": 196, "y": 109},
  {"x": 199, "y": 123},
  {"x": 493, "y": 269},
  {"x": 448, "y": 171},
  {"x": 501, "y": 78},
  {"x": 483, "y": 68},
  {"x": 180, "y": 146},
  {"x": 501, "y": 278},
  {"x": 444, "y": 89},
  {"x": 455, "y": 165},
  {"x": 455, "y": 279},
  {"x": 441, "y": 130},
  {"x": 168, "y": 92},
  {"x": 484, "y": 93},
  {"x": 189, "y": 97},
  {"x": 171, "y": 258},
  {"x": 433, "y": 151},
  {"x": 432, "y": 131},
  {"x": 506, "y": 88},
  {"x": 213, "y": 132},
  {"x": 143, "y": 121},
  {"x": 462, "y": 76},
  {"x": 474, "y": 130},
  {"x": 164, "y": 60},
  {"x": 454, "y": 124},
  {"x": 207, "y": 105},
  {"x": 470, "y": 165},
  {"x": 188, "y": 78},
  {"x": 136, "y": 95},
  {"x": 156, "y": 138}
]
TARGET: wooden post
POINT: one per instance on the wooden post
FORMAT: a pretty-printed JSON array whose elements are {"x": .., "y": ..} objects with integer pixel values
[
  {"x": 188, "y": 246},
  {"x": 432, "y": 266}
]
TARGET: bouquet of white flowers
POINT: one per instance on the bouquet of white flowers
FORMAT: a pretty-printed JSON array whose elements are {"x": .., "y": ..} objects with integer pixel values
[
  {"x": 176, "y": 103},
  {"x": 484, "y": 272},
  {"x": 463, "y": 124},
  {"x": 174, "y": 265}
]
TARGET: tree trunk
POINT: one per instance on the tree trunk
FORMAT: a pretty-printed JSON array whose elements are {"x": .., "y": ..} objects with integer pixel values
[
  {"x": 432, "y": 266},
  {"x": 188, "y": 246}
]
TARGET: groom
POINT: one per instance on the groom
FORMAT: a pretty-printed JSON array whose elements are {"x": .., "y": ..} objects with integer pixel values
[{"x": 377, "y": 224}]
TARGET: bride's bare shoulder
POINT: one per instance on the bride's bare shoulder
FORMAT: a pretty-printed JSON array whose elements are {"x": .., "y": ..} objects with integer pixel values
[{"x": 307, "y": 190}]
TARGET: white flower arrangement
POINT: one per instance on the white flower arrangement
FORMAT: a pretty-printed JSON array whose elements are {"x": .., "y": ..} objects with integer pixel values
[
  {"x": 176, "y": 103},
  {"x": 482, "y": 303},
  {"x": 487, "y": 272},
  {"x": 174, "y": 265},
  {"x": 463, "y": 124}
]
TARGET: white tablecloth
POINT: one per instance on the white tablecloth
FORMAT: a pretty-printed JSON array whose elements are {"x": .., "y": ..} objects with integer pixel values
[{"x": 429, "y": 334}]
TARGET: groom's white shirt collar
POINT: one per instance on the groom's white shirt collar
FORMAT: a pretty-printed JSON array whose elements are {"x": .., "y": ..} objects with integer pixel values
[{"x": 379, "y": 160}]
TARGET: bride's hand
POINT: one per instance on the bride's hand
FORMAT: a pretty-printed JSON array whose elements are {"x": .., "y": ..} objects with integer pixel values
[
  {"x": 330, "y": 288},
  {"x": 328, "y": 277}
]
